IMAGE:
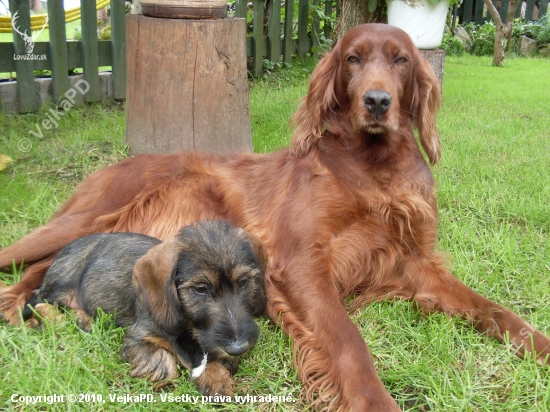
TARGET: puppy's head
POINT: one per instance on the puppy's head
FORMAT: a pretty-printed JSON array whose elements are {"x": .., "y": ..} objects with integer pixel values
[{"x": 209, "y": 280}]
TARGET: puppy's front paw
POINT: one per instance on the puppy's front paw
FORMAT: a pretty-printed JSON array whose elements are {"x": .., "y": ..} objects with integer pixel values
[
  {"x": 215, "y": 380},
  {"x": 46, "y": 312},
  {"x": 149, "y": 359}
]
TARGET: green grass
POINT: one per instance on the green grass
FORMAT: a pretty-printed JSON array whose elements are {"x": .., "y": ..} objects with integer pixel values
[{"x": 494, "y": 199}]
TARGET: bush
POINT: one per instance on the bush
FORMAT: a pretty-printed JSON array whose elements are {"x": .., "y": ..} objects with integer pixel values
[
  {"x": 451, "y": 44},
  {"x": 483, "y": 38},
  {"x": 539, "y": 30}
]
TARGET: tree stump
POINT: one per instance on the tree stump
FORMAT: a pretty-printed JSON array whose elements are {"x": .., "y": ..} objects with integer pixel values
[
  {"x": 437, "y": 59},
  {"x": 187, "y": 85}
]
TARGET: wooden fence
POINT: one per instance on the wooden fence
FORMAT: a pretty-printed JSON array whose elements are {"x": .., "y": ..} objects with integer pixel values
[
  {"x": 286, "y": 29},
  {"x": 62, "y": 55},
  {"x": 473, "y": 11},
  {"x": 280, "y": 30}
]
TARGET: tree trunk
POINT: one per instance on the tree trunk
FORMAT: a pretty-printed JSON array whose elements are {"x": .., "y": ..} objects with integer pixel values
[
  {"x": 355, "y": 12},
  {"x": 503, "y": 30}
]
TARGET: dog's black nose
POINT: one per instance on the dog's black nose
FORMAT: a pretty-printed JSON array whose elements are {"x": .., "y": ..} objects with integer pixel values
[
  {"x": 237, "y": 348},
  {"x": 377, "y": 101}
]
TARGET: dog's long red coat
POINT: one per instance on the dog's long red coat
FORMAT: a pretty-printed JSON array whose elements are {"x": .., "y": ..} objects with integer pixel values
[{"x": 350, "y": 209}]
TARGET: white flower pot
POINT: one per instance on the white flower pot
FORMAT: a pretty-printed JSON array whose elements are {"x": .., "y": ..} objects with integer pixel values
[{"x": 423, "y": 21}]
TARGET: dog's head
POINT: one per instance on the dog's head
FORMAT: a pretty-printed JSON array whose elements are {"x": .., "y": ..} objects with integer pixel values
[
  {"x": 209, "y": 280},
  {"x": 376, "y": 80}
]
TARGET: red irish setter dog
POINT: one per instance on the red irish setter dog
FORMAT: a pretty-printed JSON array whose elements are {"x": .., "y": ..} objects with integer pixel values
[{"x": 349, "y": 210}]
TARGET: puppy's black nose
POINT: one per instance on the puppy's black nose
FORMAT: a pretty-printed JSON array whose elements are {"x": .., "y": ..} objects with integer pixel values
[
  {"x": 237, "y": 348},
  {"x": 377, "y": 101}
]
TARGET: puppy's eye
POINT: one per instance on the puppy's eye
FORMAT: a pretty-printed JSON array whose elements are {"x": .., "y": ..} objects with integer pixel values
[
  {"x": 242, "y": 282},
  {"x": 353, "y": 59},
  {"x": 401, "y": 60},
  {"x": 200, "y": 289}
]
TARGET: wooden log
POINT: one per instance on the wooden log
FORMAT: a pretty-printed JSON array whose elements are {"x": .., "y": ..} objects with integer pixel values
[{"x": 186, "y": 85}]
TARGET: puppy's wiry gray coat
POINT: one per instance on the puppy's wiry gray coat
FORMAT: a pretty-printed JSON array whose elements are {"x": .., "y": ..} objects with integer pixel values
[{"x": 187, "y": 300}]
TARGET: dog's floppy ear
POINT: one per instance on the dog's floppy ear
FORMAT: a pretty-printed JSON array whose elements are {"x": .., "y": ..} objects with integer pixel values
[
  {"x": 425, "y": 105},
  {"x": 319, "y": 103},
  {"x": 259, "y": 250},
  {"x": 154, "y": 282}
]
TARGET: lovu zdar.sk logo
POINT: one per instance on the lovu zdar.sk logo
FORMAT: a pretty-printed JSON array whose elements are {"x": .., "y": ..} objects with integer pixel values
[{"x": 29, "y": 40}]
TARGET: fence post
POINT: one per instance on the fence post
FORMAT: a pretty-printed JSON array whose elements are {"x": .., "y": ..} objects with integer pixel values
[
  {"x": 316, "y": 29},
  {"x": 288, "y": 42},
  {"x": 90, "y": 56},
  {"x": 26, "y": 89},
  {"x": 58, "y": 49},
  {"x": 303, "y": 18},
  {"x": 275, "y": 31},
  {"x": 240, "y": 8},
  {"x": 257, "y": 36},
  {"x": 327, "y": 28},
  {"x": 118, "y": 49}
]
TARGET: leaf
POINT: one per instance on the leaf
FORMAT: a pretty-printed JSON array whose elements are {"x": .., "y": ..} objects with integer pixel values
[
  {"x": 4, "y": 160},
  {"x": 372, "y": 5}
]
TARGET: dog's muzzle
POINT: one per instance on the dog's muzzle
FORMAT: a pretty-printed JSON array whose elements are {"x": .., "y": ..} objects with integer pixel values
[{"x": 377, "y": 102}]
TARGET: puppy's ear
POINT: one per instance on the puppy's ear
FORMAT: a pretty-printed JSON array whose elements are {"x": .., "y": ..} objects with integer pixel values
[
  {"x": 260, "y": 296},
  {"x": 319, "y": 103},
  {"x": 259, "y": 250},
  {"x": 154, "y": 282},
  {"x": 425, "y": 105}
]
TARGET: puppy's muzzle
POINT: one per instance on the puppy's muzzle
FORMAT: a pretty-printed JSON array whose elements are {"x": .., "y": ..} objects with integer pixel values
[{"x": 237, "y": 347}]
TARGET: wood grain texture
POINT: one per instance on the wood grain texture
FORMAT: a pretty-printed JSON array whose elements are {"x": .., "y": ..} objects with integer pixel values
[{"x": 187, "y": 85}]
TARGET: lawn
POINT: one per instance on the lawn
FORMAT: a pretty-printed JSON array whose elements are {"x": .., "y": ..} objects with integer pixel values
[{"x": 494, "y": 200}]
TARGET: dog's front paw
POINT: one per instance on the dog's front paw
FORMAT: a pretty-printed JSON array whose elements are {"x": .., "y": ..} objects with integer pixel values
[
  {"x": 215, "y": 380},
  {"x": 150, "y": 360}
]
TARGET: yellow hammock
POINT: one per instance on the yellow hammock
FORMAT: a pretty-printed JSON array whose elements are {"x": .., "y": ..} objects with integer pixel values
[{"x": 37, "y": 21}]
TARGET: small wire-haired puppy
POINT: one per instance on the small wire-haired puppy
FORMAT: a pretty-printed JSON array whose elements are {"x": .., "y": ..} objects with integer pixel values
[{"x": 190, "y": 300}]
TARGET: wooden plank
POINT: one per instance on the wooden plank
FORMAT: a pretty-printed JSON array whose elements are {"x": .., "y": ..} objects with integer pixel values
[
  {"x": 479, "y": 19},
  {"x": 251, "y": 43},
  {"x": 303, "y": 17},
  {"x": 195, "y": 95},
  {"x": 118, "y": 49},
  {"x": 240, "y": 8},
  {"x": 288, "y": 42},
  {"x": 504, "y": 9},
  {"x": 530, "y": 8},
  {"x": 90, "y": 59},
  {"x": 518, "y": 12},
  {"x": 543, "y": 8},
  {"x": 257, "y": 34},
  {"x": 467, "y": 6},
  {"x": 7, "y": 64},
  {"x": 316, "y": 29},
  {"x": 275, "y": 31},
  {"x": 26, "y": 89},
  {"x": 327, "y": 26},
  {"x": 58, "y": 49}
]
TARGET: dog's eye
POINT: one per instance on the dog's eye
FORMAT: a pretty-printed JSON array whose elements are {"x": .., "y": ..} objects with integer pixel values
[
  {"x": 201, "y": 289},
  {"x": 353, "y": 59},
  {"x": 401, "y": 60},
  {"x": 242, "y": 282}
]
